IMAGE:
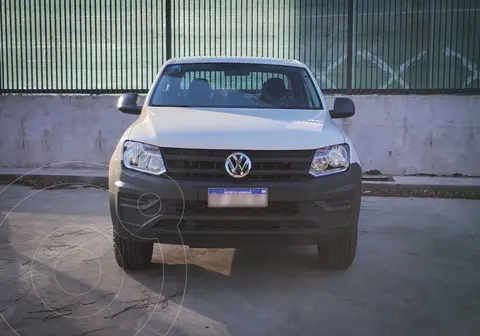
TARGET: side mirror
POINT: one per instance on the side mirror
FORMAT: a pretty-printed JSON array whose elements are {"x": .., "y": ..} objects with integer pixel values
[
  {"x": 127, "y": 103},
  {"x": 342, "y": 108}
]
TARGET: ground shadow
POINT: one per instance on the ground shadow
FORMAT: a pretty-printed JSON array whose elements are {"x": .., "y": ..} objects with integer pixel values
[{"x": 257, "y": 279}]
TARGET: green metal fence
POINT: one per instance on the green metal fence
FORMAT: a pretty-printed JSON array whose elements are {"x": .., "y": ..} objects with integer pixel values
[
  {"x": 353, "y": 46},
  {"x": 417, "y": 44}
]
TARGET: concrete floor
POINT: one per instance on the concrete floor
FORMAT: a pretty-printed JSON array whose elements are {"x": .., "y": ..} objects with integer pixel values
[{"x": 417, "y": 272}]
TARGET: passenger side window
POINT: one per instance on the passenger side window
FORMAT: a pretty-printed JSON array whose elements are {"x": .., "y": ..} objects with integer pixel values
[{"x": 312, "y": 96}]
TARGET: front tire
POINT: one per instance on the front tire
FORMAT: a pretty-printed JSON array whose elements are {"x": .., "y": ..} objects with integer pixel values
[
  {"x": 132, "y": 255},
  {"x": 339, "y": 255}
]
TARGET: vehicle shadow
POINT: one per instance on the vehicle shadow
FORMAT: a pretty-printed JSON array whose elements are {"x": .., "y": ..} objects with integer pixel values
[{"x": 231, "y": 287}]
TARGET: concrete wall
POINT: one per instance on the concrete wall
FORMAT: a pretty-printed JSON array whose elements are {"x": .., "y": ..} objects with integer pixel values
[{"x": 394, "y": 134}]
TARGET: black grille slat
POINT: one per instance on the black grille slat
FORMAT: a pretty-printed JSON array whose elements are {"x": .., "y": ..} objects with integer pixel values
[
  {"x": 203, "y": 225},
  {"x": 193, "y": 158},
  {"x": 225, "y": 176},
  {"x": 256, "y": 172},
  {"x": 200, "y": 208},
  {"x": 221, "y": 159},
  {"x": 226, "y": 152},
  {"x": 236, "y": 225},
  {"x": 272, "y": 165}
]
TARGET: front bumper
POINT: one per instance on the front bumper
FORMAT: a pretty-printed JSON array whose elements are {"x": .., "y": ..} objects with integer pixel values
[{"x": 171, "y": 211}]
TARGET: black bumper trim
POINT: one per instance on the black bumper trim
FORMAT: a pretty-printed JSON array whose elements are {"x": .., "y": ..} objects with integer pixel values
[{"x": 324, "y": 206}]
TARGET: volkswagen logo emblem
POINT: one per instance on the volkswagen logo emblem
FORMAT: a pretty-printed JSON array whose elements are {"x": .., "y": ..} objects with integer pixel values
[{"x": 238, "y": 165}]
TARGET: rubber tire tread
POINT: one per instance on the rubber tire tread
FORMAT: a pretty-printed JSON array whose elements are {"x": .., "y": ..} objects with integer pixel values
[
  {"x": 132, "y": 255},
  {"x": 339, "y": 255}
]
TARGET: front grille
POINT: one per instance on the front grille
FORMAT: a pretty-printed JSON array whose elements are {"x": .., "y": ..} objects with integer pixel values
[
  {"x": 267, "y": 165},
  {"x": 235, "y": 225},
  {"x": 200, "y": 208},
  {"x": 195, "y": 215}
]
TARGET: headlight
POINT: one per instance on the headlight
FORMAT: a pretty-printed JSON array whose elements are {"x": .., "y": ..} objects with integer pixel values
[
  {"x": 331, "y": 159},
  {"x": 142, "y": 157}
]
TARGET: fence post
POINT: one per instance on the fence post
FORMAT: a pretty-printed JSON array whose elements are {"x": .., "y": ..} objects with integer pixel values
[
  {"x": 3, "y": 71},
  {"x": 350, "y": 47},
  {"x": 168, "y": 29}
]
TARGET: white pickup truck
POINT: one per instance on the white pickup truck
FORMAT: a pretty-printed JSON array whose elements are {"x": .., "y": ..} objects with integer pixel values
[{"x": 231, "y": 152}]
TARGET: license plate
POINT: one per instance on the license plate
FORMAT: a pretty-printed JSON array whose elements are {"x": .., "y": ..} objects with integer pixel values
[{"x": 237, "y": 197}]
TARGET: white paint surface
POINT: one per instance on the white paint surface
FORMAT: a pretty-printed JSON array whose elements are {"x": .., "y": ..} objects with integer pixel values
[{"x": 235, "y": 128}]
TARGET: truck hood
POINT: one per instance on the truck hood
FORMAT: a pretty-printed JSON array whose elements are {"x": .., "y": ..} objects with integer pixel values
[{"x": 245, "y": 129}]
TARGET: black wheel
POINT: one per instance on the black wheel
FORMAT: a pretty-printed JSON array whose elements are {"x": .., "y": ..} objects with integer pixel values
[
  {"x": 131, "y": 255},
  {"x": 339, "y": 255}
]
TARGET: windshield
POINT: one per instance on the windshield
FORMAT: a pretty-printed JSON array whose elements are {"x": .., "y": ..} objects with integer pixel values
[{"x": 235, "y": 85}]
